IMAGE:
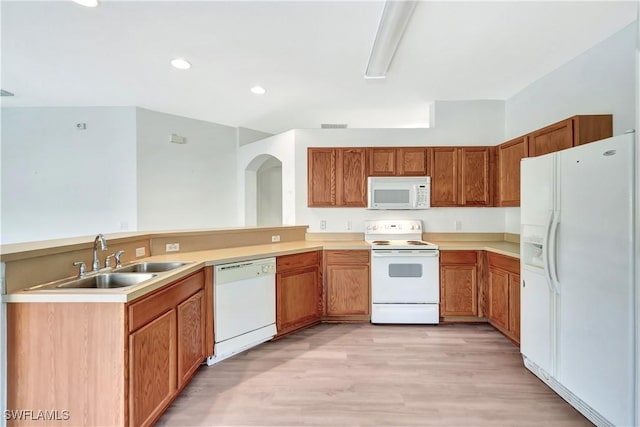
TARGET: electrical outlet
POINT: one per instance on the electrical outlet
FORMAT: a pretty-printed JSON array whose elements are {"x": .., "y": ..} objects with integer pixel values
[
  {"x": 140, "y": 252},
  {"x": 275, "y": 238},
  {"x": 173, "y": 247},
  {"x": 323, "y": 224},
  {"x": 458, "y": 225}
]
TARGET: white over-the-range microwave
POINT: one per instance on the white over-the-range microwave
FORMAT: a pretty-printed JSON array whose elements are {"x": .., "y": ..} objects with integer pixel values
[{"x": 391, "y": 192}]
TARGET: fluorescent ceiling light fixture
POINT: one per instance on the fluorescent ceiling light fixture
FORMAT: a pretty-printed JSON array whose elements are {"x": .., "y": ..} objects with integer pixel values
[
  {"x": 181, "y": 64},
  {"x": 87, "y": 3},
  {"x": 394, "y": 20},
  {"x": 258, "y": 90}
]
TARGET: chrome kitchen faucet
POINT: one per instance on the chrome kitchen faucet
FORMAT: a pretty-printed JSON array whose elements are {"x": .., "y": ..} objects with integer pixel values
[{"x": 103, "y": 246}]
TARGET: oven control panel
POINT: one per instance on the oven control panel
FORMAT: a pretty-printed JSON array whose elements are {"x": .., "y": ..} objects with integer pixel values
[{"x": 386, "y": 226}]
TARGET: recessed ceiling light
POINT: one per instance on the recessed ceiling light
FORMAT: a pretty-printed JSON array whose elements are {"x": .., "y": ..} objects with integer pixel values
[
  {"x": 87, "y": 3},
  {"x": 181, "y": 64},
  {"x": 258, "y": 90}
]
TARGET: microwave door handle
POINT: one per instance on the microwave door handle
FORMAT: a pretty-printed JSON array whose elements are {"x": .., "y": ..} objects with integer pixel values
[{"x": 414, "y": 196}]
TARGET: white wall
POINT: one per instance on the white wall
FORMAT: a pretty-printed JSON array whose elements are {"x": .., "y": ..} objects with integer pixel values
[
  {"x": 269, "y": 195},
  {"x": 456, "y": 123},
  {"x": 185, "y": 185},
  {"x": 281, "y": 147},
  {"x": 247, "y": 136},
  {"x": 599, "y": 81},
  {"x": 58, "y": 181}
]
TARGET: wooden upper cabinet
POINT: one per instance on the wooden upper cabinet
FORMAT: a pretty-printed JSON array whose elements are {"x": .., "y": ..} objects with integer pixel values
[
  {"x": 475, "y": 181},
  {"x": 382, "y": 161},
  {"x": 321, "y": 175},
  {"x": 460, "y": 176},
  {"x": 352, "y": 177},
  {"x": 444, "y": 176},
  {"x": 589, "y": 128},
  {"x": 412, "y": 161},
  {"x": 399, "y": 161},
  {"x": 569, "y": 133},
  {"x": 336, "y": 177},
  {"x": 552, "y": 138},
  {"x": 509, "y": 155}
]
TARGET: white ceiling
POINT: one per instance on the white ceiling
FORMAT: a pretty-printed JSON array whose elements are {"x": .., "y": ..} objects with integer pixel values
[{"x": 309, "y": 55}]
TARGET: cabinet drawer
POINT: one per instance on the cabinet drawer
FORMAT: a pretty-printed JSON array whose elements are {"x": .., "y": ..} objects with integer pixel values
[
  {"x": 143, "y": 311},
  {"x": 288, "y": 262},
  {"x": 509, "y": 264},
  {"x": 347, "y": 257},
  {"x": 458, "y": 257}
]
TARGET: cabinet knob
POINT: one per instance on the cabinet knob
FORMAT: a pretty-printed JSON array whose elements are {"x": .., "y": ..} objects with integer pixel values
[{"x": 523, "y": 284}]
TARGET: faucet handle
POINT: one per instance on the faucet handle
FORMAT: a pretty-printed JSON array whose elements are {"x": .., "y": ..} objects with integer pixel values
[
  {"x": 117, "y": 256},
  {"x": 107, "y": 260},
  {"x": 83, "y": 268}
]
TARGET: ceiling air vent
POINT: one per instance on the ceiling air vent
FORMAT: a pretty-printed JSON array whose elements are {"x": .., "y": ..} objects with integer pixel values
[
  {"x": 5, "y": 93},
  {"x": 333, "y": 125}
]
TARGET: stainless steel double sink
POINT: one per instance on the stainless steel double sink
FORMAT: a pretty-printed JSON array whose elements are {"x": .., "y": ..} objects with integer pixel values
[{"x": 122, "y": 277}]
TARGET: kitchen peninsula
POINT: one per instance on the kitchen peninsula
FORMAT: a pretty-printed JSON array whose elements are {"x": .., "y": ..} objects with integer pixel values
[{"x": 167, "y": 320}]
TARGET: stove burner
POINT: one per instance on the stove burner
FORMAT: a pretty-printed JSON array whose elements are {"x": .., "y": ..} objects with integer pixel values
[
  {"x": 380, "y": 242},
  {"x": 416, "y": 242}
]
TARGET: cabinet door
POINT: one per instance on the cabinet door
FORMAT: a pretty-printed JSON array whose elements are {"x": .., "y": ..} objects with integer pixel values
[
  {"x": 514, "y": 306},
  {"x": 591, "y": 128},
  {"x": 348, "y": 290},
  {"x": 412, "y": 161},
  {"x": 298, "y": 299},
  {"x": 475, "y": 183},
  {"x": 382, "y": 161},
  {"x": 152, "y": 369},
  {"x": 191, "y": 337},
  {"x": 458, "y": 290},
  {"x": 499, "y": 298},
  {"x": 444, "y": 176},
  {"x": 509, "y": 155},
  {"x": 551, "y": 138},
  {"x": 352, "y": 177},
  {"x": 321, "y": 177}
]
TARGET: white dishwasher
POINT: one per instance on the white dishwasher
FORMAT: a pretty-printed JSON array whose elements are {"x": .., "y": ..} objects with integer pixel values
[{"x": 244, "y": 306}]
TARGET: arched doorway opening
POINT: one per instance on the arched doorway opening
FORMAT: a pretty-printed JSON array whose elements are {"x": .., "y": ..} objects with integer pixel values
[{"x": 263, "y": 191}]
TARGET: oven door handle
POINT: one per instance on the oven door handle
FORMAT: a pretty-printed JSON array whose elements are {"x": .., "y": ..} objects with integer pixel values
[{"x": 395, "y": 253}]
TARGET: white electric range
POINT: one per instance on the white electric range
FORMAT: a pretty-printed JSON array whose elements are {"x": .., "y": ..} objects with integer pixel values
[{"x": 405, "y": 273}]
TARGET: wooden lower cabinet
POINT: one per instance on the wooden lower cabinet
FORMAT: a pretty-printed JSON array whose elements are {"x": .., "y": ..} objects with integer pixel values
[
  {"x": 112, "y": 364},
  {"x": 298, "y": 291},
  {"x": 514, "y": 306},
  {"x": 458, "y": 283},
  {"x": 191, "y": 336},
  {"x": 498, "y": 298},
  {"x": 152, "y": 369},
  {"x": 347, "y": 285},
  {"x": 503, "y": 283}
]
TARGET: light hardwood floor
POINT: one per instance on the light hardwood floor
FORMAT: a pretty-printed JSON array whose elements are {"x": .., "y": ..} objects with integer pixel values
[{"x": 366, "y": 375}]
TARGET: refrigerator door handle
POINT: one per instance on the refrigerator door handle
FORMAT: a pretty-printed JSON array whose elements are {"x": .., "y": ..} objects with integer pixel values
[
  {"x": 545, "y": 253},
  {"x": 553, "y": 250}
]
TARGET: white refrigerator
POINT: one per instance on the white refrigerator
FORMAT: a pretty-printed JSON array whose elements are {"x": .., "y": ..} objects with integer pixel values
[{"x": 577, "y": 276}]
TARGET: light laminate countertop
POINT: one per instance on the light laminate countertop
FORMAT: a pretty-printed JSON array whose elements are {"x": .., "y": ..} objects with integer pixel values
[{"x": 200, "y": 259}]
